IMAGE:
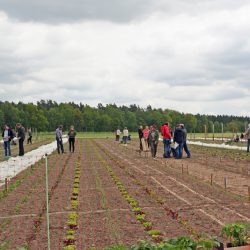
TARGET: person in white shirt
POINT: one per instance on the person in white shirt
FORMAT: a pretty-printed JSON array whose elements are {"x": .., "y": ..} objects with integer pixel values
[
  {"x": 117, "y": 134},
  {"x": 125, "y": 135}
]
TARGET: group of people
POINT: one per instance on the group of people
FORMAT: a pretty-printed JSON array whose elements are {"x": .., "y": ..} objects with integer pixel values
[
  {"x": 126, "y": 135},
  {"x": 9, "y": 135},
  {"x": 149, "y": 138},
  {"x": 59, "y": 139}
]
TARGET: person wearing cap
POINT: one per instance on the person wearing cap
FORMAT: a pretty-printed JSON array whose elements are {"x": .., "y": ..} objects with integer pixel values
[
  {"x": 247, "y": 134},
  {"x": 185, "y": 147},
  {"x": 72, "y": 136},
  {"x": 59, "y": 139},
  {"x": 153, "y": 140},
  {"x": 21, "y": 138}
]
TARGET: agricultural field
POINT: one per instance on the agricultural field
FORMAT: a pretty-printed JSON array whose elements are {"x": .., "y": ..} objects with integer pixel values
[{"x": 107, "y": 194}]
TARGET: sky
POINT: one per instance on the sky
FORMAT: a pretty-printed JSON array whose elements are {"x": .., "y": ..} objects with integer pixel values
[{"x": 192, "y": 56}]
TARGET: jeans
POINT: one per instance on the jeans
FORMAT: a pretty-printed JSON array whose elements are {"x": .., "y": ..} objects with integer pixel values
[
  {"x": 248, "y": 145},
  {"x": 29, "y": 140},
  {"x": 7, "y": 148},
  {"x": 167, "y": 149},
  {"x": 186, "y": 149},
  {"x": 59, "y": 145},
  {"x": 153, "y": 146},
  {"x": 125, "y": 139},
  {"x": 72, "y": 144},
  {"x": 179, "y": 151},
  {"x": 21, "y": 148}
]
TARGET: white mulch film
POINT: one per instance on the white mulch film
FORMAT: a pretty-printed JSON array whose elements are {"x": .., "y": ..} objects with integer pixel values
[{"x": 17, "y": 164}]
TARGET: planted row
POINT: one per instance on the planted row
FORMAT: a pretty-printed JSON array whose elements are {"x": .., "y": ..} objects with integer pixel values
[{"x": 70, "y": 239}]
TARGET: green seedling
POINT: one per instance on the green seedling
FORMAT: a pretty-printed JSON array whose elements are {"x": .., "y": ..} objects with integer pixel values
[
  {"x": 140, "y": 217},
  {"x": 147, "y": 225}
]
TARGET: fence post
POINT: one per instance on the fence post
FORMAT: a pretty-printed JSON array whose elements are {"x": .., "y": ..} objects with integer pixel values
[{"x": 47, "y": 199}]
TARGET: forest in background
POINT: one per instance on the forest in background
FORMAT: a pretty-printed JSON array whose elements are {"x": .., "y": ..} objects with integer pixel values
[{"x": 47, "y": 115}]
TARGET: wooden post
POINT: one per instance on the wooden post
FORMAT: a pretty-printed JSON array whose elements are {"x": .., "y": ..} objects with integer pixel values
[
  {"x": 211, "y": 180},
  {"x": 6, "y": 184},
  {"x": 225, "y": 182},
  {"x": 187, "y": 170}
]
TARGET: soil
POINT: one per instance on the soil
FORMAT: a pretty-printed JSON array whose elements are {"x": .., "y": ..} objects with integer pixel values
[{"x": 177, "y": 202}]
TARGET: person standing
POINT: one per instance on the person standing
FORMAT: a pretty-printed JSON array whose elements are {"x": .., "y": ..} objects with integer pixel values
[
  {"x": 72, "y": 136},
  {"x": 179, "y": 141},
  {"x": 247, "y": 134},
  {"x": 117, "y": 135},
  {"x": 185, "y": 147},
  {"x": 30, "y": 137},
  {"x": 153, "y": 140},
  {"x": 125, "y": 135},
  {"x": 166, "y": 134},
  {"x": 21, "y": 138},
  {"x": 59, "y": 139},
  {"x": 140, "y": 133},
  {"x": 7, "y": 136},
  {"x": 146, "y": 132}
]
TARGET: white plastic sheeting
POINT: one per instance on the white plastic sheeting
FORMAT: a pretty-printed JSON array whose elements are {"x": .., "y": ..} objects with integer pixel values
[
  {"x": 214, "y": 145},
  {"x": 15, "y": 165}
]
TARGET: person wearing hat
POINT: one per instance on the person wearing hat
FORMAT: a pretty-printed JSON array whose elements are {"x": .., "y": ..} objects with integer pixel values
[{"x": 247, "y": 134}]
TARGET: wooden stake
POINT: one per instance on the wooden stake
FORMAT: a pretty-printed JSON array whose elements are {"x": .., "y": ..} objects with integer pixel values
[
  {"x": 187, "y": 170},
  {"x": 182, "y": 168},
  {"x": 211, "y": 180},
  {"x": 6, "y": 184},
  {"x": 225, "y": 182}
]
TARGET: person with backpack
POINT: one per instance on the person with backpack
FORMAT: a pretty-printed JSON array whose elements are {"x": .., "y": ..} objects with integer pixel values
[
  {"x": 7, "y": 137},
  {"x": 72, "y": 136},
  {"x": 21, "y": 138},
  {"x": 166, "y": 135}
]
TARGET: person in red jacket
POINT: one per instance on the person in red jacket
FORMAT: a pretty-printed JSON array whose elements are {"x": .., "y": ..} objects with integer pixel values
[{"x": 166, "y": 134}]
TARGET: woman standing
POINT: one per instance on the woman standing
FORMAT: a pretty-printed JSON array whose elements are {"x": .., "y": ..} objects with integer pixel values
[
  {"x": 153, "y": 140},
  {"x": 72, "y": 136}
]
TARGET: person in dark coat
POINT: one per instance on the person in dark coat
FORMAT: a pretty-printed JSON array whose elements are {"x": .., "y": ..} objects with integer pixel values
[
  {"x": 185, "y": 147},
  {"x": 72, "y": 136},
  {"x": 179, "y": 141},
  {"x": 7, "y": 137},
  {"x": 30, "y": 137},
  {"x": 153, "y": 140},
  {"x": 140, "y": 133},
  {"x": 59, "y": 139},
  {"x": 21, "y": 138}
]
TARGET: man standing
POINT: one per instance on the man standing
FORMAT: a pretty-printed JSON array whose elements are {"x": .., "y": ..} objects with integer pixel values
[
  {"x": 140, "y": 133},
  {"x": 125, "y": 135},
  {"x": 30, "y": 136},
  {"x": 7, "y": 136},
  {"x": 59, "y": 139},
  {"x": 166, "y": 135},
  {"x": 21, "y": 138},
  {"x": 185, "y": 147},
  {"x": 178, "y": 140},
  {"x": 247, "y": 134}
]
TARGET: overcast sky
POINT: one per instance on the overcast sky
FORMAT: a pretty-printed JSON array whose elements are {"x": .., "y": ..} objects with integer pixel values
[{"x": 189, "y": 55}]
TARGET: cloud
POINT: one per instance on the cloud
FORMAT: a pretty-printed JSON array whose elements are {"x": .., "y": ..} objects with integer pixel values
[{"x": 170, "y": 55}]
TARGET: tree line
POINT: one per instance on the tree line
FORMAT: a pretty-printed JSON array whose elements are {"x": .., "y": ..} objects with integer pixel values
[{"x": 47, "y": 115}]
